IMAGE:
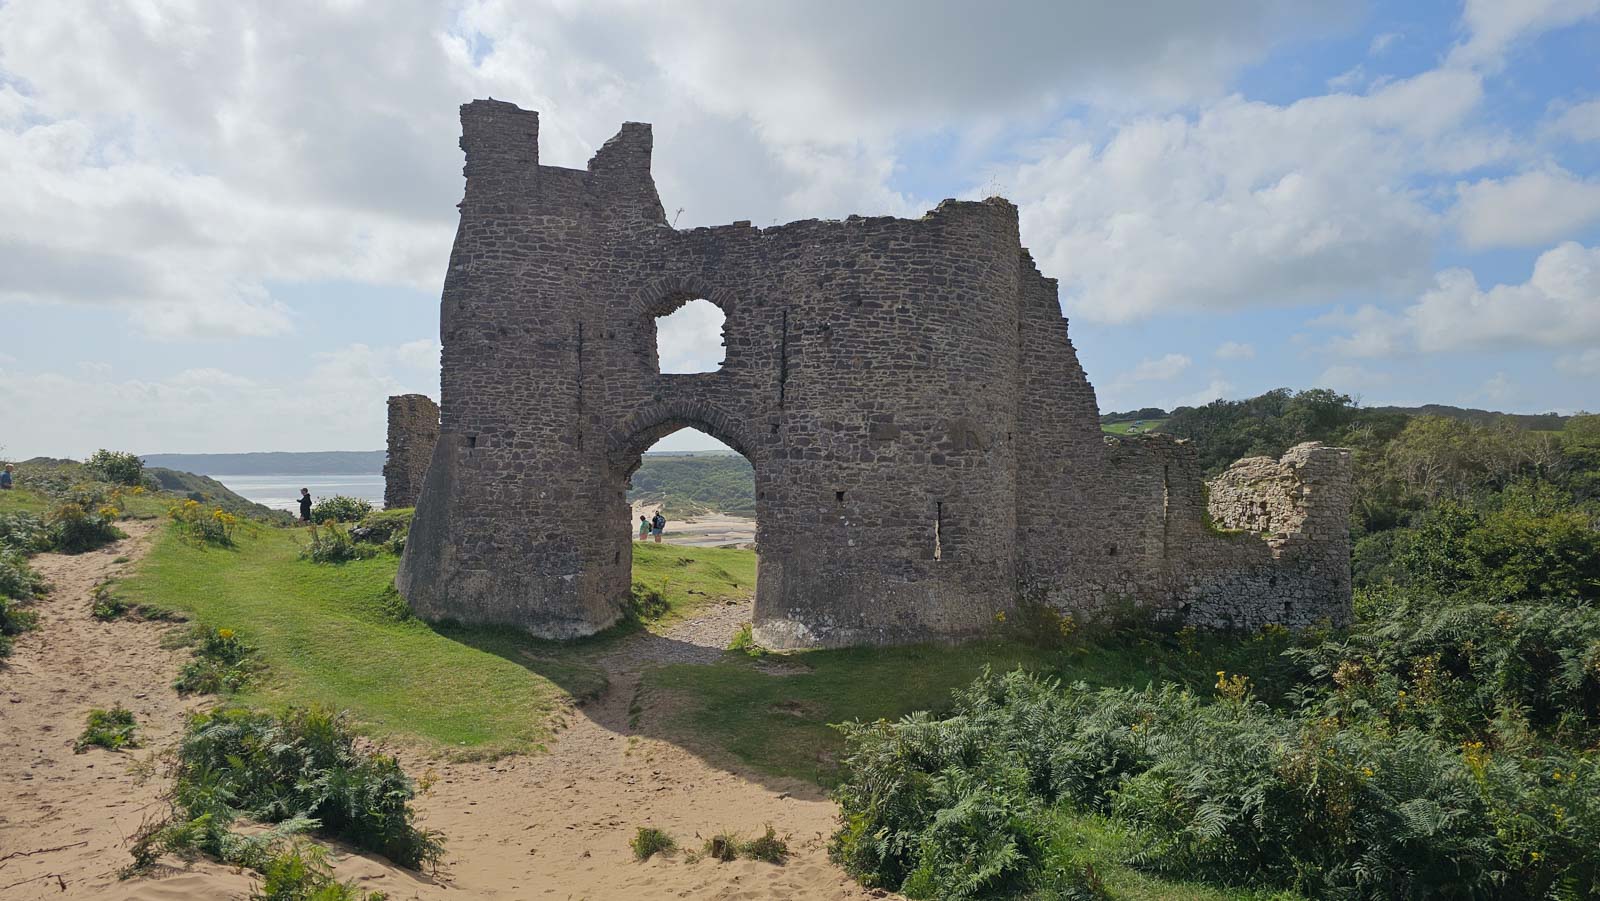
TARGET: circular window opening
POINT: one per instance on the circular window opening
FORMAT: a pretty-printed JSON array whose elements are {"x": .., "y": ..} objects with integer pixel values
[{"x": 690, "y": 338}]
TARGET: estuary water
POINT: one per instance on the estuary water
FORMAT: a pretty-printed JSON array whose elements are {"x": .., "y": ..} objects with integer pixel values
[{"x": 282, "y": 492}]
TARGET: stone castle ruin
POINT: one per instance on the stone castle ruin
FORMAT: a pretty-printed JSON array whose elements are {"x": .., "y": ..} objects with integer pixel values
[
  {"x": 413, "y": 431},
  {"x": 927, "y": 450}
]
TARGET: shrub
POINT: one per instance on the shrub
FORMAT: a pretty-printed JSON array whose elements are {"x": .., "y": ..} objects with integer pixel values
[
  {"x": 1227, "y": 790},
  {"x": 767, "y": 847},
  {"x": 105, "y": 606},
  {"x": 340, "y": 508},
  {"x": 645, "y": 604},
  {"x": 301, "y": 769},
  {"x": 13, "y": 621},
  {"x": 194, "y": 521},
  {"x": 110, "y": 729},
  {"x": 1529, "y": 549},
  {"x": 385, "y": 527},
  {"x": 18, "y": 580},
  {"x": 24, "y": 533},
  {"x": 723, "y": 847},
  {"x": 221, "y": 663},
  {"x": 648, "y": 841},
  {"x": 331, "y": 543},
  {"x": 74, "y": 530},
  {"x": 299, "y": 871},
  {"x": 117, "y": 467},
  {"x": 745, "y": 640}
]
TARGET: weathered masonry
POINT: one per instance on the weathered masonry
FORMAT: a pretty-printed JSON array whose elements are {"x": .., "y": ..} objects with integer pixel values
[
  {"x": 927, "y": 450},
  {"x": 413, "y": 431}
]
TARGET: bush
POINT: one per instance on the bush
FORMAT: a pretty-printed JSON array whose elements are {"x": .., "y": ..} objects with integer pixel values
[
  {"x": 744, "y": 640},
  {"x": 299, "y": 871},
  {"x": 1533, "y": 547},
  {"x": 215, "y": 526},
  {"x": 13, "y": 621},
  {"x": 18, "y": 581},
  {"x": 105, "y": 606},
  {"x": 331, "y": 543},
  {"x": 23, "y": 533},
  {"x": 723, "y": 847},
  {"x": 648, "y": 841},
  {"x": 645, "y": 604},
  {"x": 301, "y": 770},
  {"x": 110, "y": 729},
  {"x": 340, "y": 508},
  {"x": 73, "y": 529},
  {"x": 385, "y": 527},
  {"x": 117, "y": 467},
  {"x": 767, "y": 847},
  {"x": 221, "y": 663},
  {"x": 1228, "y": 790}
]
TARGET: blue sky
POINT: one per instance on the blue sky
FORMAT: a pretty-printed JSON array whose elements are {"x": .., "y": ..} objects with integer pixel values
[{"x": 224, "y": 227}]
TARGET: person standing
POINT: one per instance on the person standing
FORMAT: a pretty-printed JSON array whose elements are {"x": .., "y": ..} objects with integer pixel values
[
  {"x": 305, "y": 505},
  {"x": 658, "y": 524},
  {"x": 5, "y": 478},
  {"x": 644, "y": 528}
]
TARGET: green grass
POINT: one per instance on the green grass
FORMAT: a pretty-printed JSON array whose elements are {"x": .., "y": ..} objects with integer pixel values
[
  {"x": 690, "y": 578},
  {"x": 1121, "y": 428},
  {"x": 329, "y": 635},
  {"x": 23, "y": 500},
  {"x": 772, "y": 713}
]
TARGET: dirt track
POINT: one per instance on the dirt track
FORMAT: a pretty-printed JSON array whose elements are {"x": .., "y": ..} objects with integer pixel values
[{"x": 550, "y": 826}]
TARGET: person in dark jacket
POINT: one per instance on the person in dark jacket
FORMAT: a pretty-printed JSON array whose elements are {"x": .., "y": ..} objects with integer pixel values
[{"x": 305, "y": 505}]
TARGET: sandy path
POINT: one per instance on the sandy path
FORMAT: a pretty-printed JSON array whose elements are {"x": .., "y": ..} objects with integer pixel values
[
  {"x": 84, "y": 804},
  {"x": 547, "y": 826}
]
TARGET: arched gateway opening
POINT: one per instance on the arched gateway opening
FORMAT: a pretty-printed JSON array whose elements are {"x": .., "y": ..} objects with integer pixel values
[{"x": 689, "y": 466}]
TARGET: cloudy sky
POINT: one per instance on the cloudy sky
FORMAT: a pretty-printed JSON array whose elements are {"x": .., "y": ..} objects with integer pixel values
[{"x": 224, "y": 226}]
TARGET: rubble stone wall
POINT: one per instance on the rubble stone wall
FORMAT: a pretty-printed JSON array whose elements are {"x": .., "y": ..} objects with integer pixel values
[
  {"x": 413, "y": 430},
  {"x": 926, "y": 447}
]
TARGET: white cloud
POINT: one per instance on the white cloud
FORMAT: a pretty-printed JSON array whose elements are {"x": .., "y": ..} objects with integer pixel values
[
  {"x": 1495, "y": 25},
  {"x": 1583, "y": 363},
  {"x": 1498, "y": 388},
  {"x": 690, "y": 338},
  {"x": 181, "y": 159},
  {"x": 335, "y": 404},
  {"x": 1528, "y": 209},
  {"x": 1576, "y": 122},
  {"x": 1235, "y": 350},
  {"x": 1350, "y": 379},
  {"x": 1558, "y": 306},
  {"x": 1248, "y": 203},
  {"x": 1159, "y": 369},
  {"x": 1382, "y": 42},
  {"x": 1216, "y": 389}
]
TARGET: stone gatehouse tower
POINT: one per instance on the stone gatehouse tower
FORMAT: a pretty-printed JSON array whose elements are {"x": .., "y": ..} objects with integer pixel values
[{"x": 927, "y": 450}]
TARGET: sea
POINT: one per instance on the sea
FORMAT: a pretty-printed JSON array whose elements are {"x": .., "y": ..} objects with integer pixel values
[{"x": 282, "y": 492}]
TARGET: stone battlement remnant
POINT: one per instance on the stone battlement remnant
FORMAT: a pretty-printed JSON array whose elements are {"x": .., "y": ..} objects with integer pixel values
[
  {"x": 413, "y": 432},
  {"x": 927, "y": 450}
]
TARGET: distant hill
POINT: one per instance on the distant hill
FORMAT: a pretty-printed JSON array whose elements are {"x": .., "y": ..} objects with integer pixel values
[
  {"x": 55, "y": 475},
  {"x": 702, "y": 482},
  {"x": 1545, "y": 422},
  {"x": 332, "y": 463}
]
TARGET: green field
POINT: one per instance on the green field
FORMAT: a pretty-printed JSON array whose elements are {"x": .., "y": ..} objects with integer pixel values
[{"x": 1128, "y": 428}]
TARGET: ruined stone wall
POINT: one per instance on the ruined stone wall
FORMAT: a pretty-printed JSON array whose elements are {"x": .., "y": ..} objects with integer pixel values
[
  {"x": 923, "y": 439},
  {"x": 413, "y": 430}
]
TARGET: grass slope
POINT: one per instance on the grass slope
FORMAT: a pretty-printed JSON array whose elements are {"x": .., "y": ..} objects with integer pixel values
[
  {"x": 692, "y": 484},
  {"x": 330, "y": 635},
  {"x": 1122, "y": 428},
  {"x": 692, "y": 577}
]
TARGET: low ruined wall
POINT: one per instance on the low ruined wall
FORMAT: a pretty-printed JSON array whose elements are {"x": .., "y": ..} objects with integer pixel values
[{"x": 413, "y": 431}]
